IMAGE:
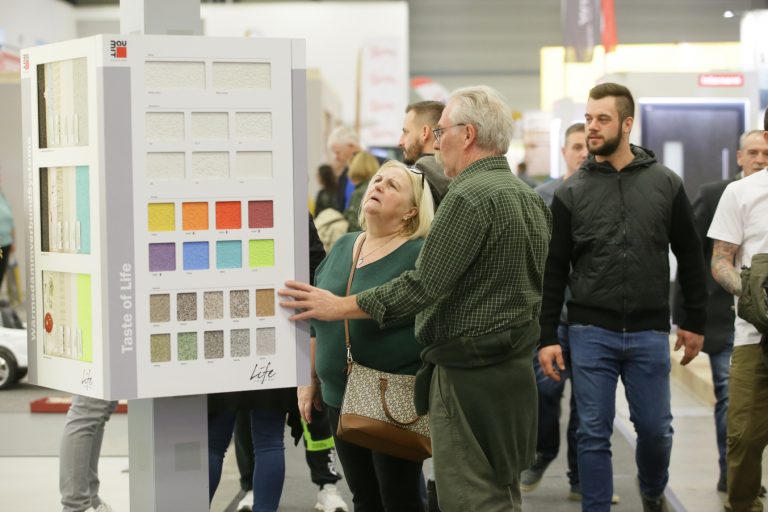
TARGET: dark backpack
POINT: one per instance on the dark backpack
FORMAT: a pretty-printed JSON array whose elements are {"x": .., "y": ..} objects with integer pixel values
[{"x": 753, "y": 302}]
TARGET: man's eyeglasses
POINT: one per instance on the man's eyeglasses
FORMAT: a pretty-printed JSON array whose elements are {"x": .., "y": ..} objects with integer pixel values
[
  {"x": 416, "y": 170},
  {"x": 438, "y": 132}
]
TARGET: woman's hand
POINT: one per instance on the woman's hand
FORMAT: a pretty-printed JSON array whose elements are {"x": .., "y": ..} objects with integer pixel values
[
  {"x": 318, "y": 303},
  {"x": 308, "y": 397}
]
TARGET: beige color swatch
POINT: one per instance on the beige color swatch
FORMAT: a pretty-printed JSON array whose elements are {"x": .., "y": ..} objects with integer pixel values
[
  {"x": 253, "y": 125},
  {"x": 165, "y": 126},
  {"x": 242, "y": 75},
  {"x": 165, "y": 166},
  {"x": 253, "y": 164},
  {"x": 174, "y": 75},
  {"x": 210, "y": 165},
  {"x": 210, "y": 126}
]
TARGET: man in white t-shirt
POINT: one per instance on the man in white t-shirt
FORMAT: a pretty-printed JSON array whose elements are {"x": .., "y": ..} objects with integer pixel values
[{"x": 740, "y": 230}]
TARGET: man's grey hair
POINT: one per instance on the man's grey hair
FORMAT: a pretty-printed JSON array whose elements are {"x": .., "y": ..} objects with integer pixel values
[
  {"x": 343, "y": 135},
  {"x": 746, "y": 135},
  {"x": 486, "y": 109}
]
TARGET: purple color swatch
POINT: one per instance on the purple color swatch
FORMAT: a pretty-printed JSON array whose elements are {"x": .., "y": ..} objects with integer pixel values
[{"x": 162, "y": 257}]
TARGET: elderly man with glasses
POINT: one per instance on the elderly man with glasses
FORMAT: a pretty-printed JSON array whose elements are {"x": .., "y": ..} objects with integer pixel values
[{"x": 476, "y": 295}]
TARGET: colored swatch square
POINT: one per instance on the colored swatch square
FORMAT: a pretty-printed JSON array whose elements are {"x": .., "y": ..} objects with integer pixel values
[
  {"x": 265, "y": 302},
  {"x": 239, "y": 305},
  {"x": 165, "y": 126},
  {"x": 196, "y": 256},
  {"x": 165, "y": 166},
  {"x": 253, "y": 164},
  {"x": 213, "y": 305},
  {"x": 213, "y": 344},
  {"x": 210, "y": 125},
  {"x": 160, "y": 348},
  {"x": 241, "y": 75},
  {"x": 229, "y": 254},
  {"x": 261, "y": 253},
  {"x": 253, "y": 125},
  {"x": 194, "y": 216},
  {"x": 260, "y": 214},
  {"x": 240, "y": 343},
  {"x": 162, "y": 257},
  {"x": 186, "y": 307},
  {"x": 162, "y": 216},
  {"x": 160, "y": 308},
  {"x": 174, "y": 75},
  {"x": 228, "y": 215},
  {"x": 187, "y": 347},
  {"x": 265, "y": 341},
  {"x": 209, "y": 165}
]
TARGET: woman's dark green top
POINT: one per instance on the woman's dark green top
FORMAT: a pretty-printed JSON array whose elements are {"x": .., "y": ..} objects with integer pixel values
[{"x": 393, "y": 350}]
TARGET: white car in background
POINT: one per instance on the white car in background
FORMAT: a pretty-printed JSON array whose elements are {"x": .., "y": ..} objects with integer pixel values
[{"x": 13, "y": 356}]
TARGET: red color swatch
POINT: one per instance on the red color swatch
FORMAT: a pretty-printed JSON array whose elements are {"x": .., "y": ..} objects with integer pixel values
[
  {"x": 228, "y": 215},
  {"x": 260, "y": 214}
]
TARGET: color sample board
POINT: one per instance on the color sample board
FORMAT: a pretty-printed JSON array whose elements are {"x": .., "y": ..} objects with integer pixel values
[{"x": 169, "y": 205}]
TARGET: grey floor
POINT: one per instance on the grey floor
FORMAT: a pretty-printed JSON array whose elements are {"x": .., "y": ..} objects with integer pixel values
[{"x": 29, "y": 462}]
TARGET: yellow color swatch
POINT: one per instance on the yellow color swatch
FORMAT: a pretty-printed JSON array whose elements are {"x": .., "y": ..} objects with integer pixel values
[
  {"x": 261, "y": 253},
  {"x": 194, "y": 216},
  {"x": 162, "y": 217}
]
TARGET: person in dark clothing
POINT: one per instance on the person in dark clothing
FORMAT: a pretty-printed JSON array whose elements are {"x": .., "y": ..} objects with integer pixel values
[
  {"x": 752, "y": 156},
  {"x": 344, "y": 143},
  {"x": 613, "y": 224},
  {"x": 329, "y": 185}
]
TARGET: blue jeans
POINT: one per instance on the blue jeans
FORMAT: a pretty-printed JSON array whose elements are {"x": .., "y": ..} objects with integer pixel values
[
  {"x": 267, "y": 428},
  {"x": 599, "y": 357},
  {"x": 720, "y": 364},
  {"x": 550, "y": 395}
]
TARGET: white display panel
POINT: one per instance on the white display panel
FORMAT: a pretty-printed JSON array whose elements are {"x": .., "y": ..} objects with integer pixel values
[{"x": 165, "y": 214}]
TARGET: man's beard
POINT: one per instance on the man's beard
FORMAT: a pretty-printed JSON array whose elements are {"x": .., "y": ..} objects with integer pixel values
[
  {"x": 608, "y": 148},
  {"x": 411, "y": 155}
]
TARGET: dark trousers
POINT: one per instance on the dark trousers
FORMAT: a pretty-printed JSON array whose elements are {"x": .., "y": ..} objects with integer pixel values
[
  {"x": 378, "y": 482},
  {"x": 4, "y": 261},
  {"x": 321, "y": 463}
]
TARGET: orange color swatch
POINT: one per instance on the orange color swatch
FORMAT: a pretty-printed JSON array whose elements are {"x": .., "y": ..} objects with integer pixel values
[
  {"x": 194, "y": 216},
  {"x": 228, "y": 215}
]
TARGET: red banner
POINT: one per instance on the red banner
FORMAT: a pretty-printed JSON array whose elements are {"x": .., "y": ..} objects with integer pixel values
[{"x": 609, "y": 26}]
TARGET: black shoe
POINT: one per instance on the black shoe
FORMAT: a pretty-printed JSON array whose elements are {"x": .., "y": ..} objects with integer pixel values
[
  {"x": 654, "y": 505},
  {"x": 531, "y": 477},
  {"x": 432, "y": 497},
  {"x": 722, "y": 484}
]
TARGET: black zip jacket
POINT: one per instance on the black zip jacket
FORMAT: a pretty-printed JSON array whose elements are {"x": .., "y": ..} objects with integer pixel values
[{"x": 614, "y": 230}]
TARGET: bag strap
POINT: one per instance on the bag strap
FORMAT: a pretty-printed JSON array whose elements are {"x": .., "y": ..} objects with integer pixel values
[
  {"x": 383, "y": 383},
  {"x": 355, "y": 256}
]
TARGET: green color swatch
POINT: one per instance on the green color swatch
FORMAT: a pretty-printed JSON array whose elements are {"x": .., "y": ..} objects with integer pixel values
[
  {"x": 84, "y": 317},
  {"x": 261, "y": 253}
]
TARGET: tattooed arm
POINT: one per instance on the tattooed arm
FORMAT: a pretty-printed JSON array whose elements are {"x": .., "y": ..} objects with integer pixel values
[{"x": 723, "y": 256}]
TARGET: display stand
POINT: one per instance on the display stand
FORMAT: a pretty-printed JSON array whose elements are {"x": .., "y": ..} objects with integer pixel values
[{"x": 165, "y": 178}]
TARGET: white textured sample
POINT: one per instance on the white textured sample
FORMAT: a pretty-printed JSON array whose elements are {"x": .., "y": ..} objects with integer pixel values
[
  {"x": 65, "y": 104},
  {"x": 165, "y": 166},
  {"x": 253, "y": 164},
  {"x": 253, "y": 125},
  {"x": 165, "y": 126},
  {"x": 241, "y": 75},
  {"x": 210, "y": 125},
  {"x": 174, "y": 75},
  {"x": 210, "y": 164}
]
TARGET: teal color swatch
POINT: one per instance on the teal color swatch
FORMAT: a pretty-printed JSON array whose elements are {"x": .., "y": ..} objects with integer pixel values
[
  {"x": 229, "y": 254},
  {"x": 83, "y": 207}
]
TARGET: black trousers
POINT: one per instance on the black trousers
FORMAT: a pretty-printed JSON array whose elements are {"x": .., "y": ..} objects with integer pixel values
[
  {"x": 379, "y": 483},
  {"x": 321, "y": 463}
]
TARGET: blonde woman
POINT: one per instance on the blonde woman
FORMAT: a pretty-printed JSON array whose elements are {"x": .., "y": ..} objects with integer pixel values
[
  {"x": 362, "y": 167},
  {"x": 396, "y": 212}
]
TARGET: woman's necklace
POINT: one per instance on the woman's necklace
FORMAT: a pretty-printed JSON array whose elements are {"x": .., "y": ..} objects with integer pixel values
[{"x": 361, "y": 259}]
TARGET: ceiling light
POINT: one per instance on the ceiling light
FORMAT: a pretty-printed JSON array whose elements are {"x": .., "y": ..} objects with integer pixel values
[{"x": 728, "y": 14}]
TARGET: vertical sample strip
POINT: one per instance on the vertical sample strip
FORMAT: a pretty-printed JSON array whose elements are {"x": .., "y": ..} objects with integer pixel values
[
  {"x": 265, "y": 302},
  {"x": 213, "y": 305},
  {"x": 261, "y": 215},
  {"x": 63, "y": 104},
  {"x": 265, "y": 341},
  {"x": 65, "y": 210},
  {"x": 209, "y": 165},
  {"x": 253, "y": 164},
  {"x": 161, "y": 216},
  {"x": 229, "y": 254},
  {"x": 228, "y": 215},
  {"x": 165, "y": 166},
  {"x": 239, "y": 305},
  {"x": 160, "y": 308},
  {"x": 162, "y": 257},
  {"x": 160, "y": 348},
  {"x": 187, "y": 346},
  {"x": 261, "y": 253},
  {"x": 194, "y": 216},
  {"x": 210, "y": 126},
  {"x": 240, "y": 342},
  {"x": 165, "y": 126},
  {"x": 213, "y": 344},
  {"x": 83, "y": 209},
  {"x": 186, "y": 307},
  {"x": 241, "y": 75},
  {"x": 174, "y": 75},
  {"x": 196, "y": 256},
  {"x": 253, "y": 125},
  {"x": 67, "y": 315}
]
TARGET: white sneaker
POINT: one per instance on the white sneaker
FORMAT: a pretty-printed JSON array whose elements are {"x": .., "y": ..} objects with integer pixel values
[
  {"x": 246, "y": 504},
  {"x": 329, "y": 500},
  {"x": 104, "y": 507}
]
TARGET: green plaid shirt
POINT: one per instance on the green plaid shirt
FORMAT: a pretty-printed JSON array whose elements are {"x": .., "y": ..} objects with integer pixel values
[{"x": 481, "y": 268}]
